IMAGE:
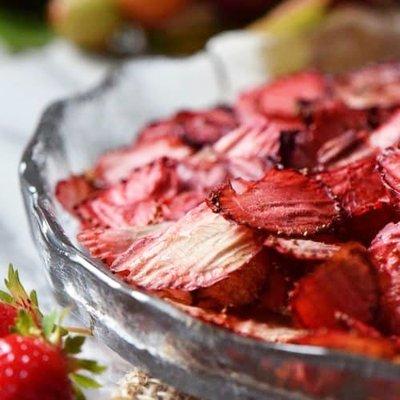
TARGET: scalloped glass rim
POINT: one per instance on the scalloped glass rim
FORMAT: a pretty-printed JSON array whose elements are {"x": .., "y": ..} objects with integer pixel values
[{"x": 196, "y": 357}]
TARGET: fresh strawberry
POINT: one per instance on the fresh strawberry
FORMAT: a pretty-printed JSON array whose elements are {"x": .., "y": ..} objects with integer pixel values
[
  {"x": 38, "y": 360},
  {"x": 31, "y": 368},
  {"x": 8, "y": 315}
]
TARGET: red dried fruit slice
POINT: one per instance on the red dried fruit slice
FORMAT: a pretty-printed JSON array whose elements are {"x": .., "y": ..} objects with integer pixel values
[
  {"x": 275, "y": 294},
  {"x": 97, "y": 213},
  {"x": 358, "y": 187},
  {"x": 136, "y": 201},
  {"x": 302, "y": 249},
  {"x": 245, "y": 327},
  {"x": 202, "y": 171},
  {"x": 374, "y": 86},
  {"x": 175, "y": 208},
  {"x": 385, "y": 254},
  {"x": 239, "y": 288},
  {"x": 158, "y": 180},
  {"x": 281, "y": 98},
  {"x": 389, "y": 164},
  {"x": 388, "y": 134},
  {"x": 197, "y": 128},
  {"x": 117, "y": 165},
  {"x": 73, "y": 191},
  {"x": 283, "y": 202},
  {"x": 205, "y": 128},
  {"x": 344, "y": 284},
  {"x": 350, "y": 342},
  {"x": 258, "y": 140},
  {"x": 109, "y": 244},
  {"x": 199, "y": 250}
]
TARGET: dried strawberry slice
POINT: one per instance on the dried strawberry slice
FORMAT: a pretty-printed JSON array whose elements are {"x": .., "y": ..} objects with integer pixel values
[
  {"x": 205, "y": 128},
  {"x": 388, "y": 134},
  {"x": 282, "y": 97},
  {"x": 245, "y": 327},
  {"x": 198, "y": 128},
  {"x": 98, "y": 213},
  {"x": 73, "y": 191},
  {"x": 134, "y": 201},
  {"x": 158, "y": 180},
  {"x": 358, "y": 187},
  {"x": 257, "y": 140},
  {"x": 109, "y": 244},
  {"x": 202, "y": 171},
  {"x": 199, "y": 250},
  {"x": 351, "y": 342},
  {"x": 344, "y": 284},
  {"x": 374, "y": 86},
  {"x": 302, "y": 249},
  {"x": 117, "y": 165},
  {"x": 283, "y": 202},
  {"x": 239, "y": 288},
  {"x": 389, "y": 163},
  {"x": 385, "y": 253},
  {"x": 176, "y": 207}
]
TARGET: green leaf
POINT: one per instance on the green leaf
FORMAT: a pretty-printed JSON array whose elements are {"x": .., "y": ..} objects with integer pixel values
[
  {"x": 78, "y": 392},
  {"x": 91, "y": 366},
  {"x": 24, "y": 325},
  {"x": 48, "y": 324},
  {"x": 5, "y": 297},
  {"x": 84, "y": 381},
  {"x": 73, "y": 344}
]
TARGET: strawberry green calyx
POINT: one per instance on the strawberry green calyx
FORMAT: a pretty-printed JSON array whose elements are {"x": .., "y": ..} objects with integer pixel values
[{"x": 50, "y": 329}]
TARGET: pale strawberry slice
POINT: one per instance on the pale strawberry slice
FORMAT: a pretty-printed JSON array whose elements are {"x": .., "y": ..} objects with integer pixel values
[
  {"x": 344, "y": 284},
  {"x": 73, "y": 191},
  {"x": 283, "y": 202},
  {"x": 282, "y": 97},
  {"x": 389, "y": 163},
  {"x": 358, "y": 187},
  {"x": 158, "y": 180},
  {"x": 199, "y": 250},
  {"x": 117, "y": 165},
  {"x": 97, "y": 213},
  {"x": 374, "y": 86},
  {"x": 258, "y": 140},
  {"x": 385, "y": 253},
  {"x": 301, "y": 249},
  {"x": 109, "y": 244},
  {"x": 387, "y": 134}
]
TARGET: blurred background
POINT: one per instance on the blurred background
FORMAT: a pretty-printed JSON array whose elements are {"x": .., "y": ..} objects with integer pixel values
[{"x": 328, "y": 34}]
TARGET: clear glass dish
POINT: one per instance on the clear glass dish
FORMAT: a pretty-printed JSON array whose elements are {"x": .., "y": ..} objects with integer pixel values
[{"x": 197, "y": 358}]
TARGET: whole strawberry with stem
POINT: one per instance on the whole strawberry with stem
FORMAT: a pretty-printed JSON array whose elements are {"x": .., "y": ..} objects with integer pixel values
[{"x": 38, "y": 359}]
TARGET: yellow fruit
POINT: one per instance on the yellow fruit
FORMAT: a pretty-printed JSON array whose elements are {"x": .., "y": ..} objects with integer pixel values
[
  {"x": 88, "y": 23},
  {"x": 151, "y": 13}
]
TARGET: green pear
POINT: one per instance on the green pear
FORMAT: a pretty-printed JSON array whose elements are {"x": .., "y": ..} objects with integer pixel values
[{"x": 87, "y": 23}]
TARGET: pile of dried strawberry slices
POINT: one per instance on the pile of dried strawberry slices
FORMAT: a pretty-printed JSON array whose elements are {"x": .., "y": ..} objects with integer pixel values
[{"x": 276, "y": 218}]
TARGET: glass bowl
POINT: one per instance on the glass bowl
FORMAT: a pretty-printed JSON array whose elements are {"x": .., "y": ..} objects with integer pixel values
[{"x": 195, "y": 357}]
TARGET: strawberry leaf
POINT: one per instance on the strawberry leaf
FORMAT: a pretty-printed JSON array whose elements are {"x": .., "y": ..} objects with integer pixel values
[
  {"x": 84, "y": 381},
  {"x": 91, "y": 366},
  {"x": 73, "y": 344}
]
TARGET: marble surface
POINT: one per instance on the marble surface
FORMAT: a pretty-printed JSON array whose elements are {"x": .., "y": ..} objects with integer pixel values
[{"x": 28, "y": 83}]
